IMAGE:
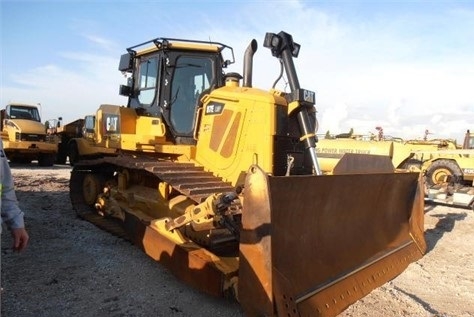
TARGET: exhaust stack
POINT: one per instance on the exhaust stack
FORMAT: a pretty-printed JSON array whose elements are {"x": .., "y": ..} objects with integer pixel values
[{"x": 248, "y": 63}]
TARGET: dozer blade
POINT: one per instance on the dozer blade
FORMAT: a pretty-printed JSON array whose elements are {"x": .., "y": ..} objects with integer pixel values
[{"x": 313, "y": 245}]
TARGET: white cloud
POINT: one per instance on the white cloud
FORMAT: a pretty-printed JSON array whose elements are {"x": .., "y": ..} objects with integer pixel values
[
  {"x": 100, "y": 41},
  {"x": 68, "y": 93},
  {"x": 72, "y": 87},
  {"x": 383, "y": 80}
]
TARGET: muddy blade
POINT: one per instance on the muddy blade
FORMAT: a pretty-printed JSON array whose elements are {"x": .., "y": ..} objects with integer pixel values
[{"x": 314, "y": 245}]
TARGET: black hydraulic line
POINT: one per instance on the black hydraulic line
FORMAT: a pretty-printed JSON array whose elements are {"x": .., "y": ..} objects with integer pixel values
[{"x": 283, "y": 47}]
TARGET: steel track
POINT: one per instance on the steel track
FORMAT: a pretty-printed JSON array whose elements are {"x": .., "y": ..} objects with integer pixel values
[{"x": 190, "y": 180}]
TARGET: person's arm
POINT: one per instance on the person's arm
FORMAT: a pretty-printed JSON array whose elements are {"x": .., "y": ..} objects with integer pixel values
[{"x": 10, "y": 211}]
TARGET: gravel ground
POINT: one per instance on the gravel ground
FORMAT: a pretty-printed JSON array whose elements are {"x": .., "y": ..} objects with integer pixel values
[{"x": 72, "y": 268}]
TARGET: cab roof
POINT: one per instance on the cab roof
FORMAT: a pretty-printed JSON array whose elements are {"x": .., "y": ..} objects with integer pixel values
[{"x": 176, "y": 44}]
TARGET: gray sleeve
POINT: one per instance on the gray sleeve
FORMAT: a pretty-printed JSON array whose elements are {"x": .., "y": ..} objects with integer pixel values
[{"x": 10, "y": 211}]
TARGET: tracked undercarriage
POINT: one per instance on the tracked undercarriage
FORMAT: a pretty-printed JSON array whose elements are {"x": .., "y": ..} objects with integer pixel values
[{"x": 199, "y": 213}]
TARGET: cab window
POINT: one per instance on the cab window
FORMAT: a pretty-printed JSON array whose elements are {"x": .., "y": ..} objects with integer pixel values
[
  {"x": 89, "y": 124},
  {"x": 147, "y": 81},
  {"x": 191, "y": 77}
]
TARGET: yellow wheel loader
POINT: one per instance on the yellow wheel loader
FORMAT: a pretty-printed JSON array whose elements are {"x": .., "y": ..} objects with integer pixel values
[{"x": 220, "y": 182}]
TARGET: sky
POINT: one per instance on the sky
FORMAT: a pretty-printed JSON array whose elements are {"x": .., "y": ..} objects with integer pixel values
[{"x": 405, "y": 66}]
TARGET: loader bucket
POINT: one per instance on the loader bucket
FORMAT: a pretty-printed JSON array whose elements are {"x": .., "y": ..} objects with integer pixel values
[{"x": 313, "y": 245}]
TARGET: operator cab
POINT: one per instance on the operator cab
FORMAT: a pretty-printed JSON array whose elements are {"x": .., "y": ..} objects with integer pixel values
[{"x": 168, "y": 81}]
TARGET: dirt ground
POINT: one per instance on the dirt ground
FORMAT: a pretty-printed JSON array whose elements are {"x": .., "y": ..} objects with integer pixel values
[{"x": 72, "y": 268}]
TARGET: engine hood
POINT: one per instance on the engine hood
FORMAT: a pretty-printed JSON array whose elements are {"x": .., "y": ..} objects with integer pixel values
[{"x": 29, "y": 126}]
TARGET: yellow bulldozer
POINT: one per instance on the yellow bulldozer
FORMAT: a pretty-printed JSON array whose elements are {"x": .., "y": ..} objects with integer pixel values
[{"x": 219, "y": 181}]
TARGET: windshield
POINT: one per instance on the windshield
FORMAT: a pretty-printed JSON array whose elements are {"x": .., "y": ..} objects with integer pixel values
[{"x": 24, "y": 112}]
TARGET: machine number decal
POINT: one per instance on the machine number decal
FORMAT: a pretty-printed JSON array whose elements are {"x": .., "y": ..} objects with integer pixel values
[{"x": 214, "y": 108}]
